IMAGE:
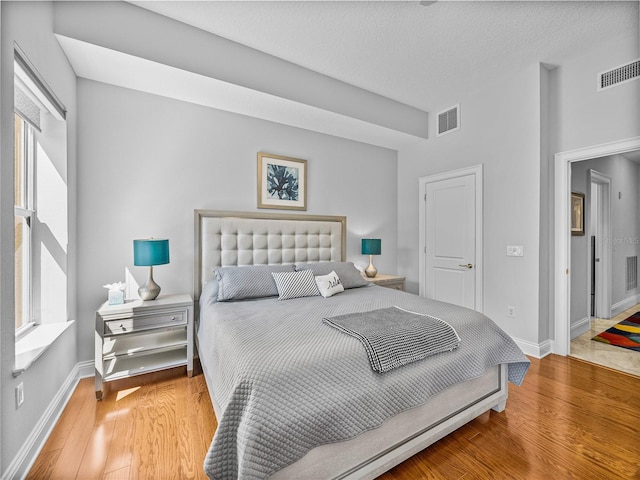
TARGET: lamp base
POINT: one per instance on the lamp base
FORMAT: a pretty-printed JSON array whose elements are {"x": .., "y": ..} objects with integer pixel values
[
  {"x": 371, "y": 271},
  {"x": 150, "y": 290}
]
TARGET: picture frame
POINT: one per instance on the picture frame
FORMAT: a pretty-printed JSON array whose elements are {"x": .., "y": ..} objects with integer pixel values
[
  {"x": 282, "y": 182},
  {"x": 577, "y": 213}
]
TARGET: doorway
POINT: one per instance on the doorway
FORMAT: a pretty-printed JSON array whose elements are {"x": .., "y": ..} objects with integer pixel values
[
  {"x": 562, "y": 222},
  {"x": 610, "y": 243}
]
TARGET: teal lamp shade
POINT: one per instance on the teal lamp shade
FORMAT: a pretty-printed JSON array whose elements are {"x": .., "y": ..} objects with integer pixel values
[
  {"x": 371, "y": 247},
  {"x": 147, "y": 253}
]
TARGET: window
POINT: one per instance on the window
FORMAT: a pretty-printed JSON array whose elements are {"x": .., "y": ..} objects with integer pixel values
[
  {"x": 23, "y": 215},
  {"x": 41, "y": 215},
  {"x": 40, "y": 200}
]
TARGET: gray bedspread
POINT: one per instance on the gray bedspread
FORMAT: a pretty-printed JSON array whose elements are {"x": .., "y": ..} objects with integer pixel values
[
  {"x": 283, "y": 383},
  {"x": 393, "y": 337}
]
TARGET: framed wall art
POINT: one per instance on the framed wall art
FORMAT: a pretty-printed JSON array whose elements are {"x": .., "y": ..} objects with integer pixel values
[
  {"x": 577, "y": 213},
  {"x": 282, "y": 182}
]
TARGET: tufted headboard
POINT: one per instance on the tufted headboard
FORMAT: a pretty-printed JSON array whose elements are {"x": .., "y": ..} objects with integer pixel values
[{"x": 253, "y": 238}]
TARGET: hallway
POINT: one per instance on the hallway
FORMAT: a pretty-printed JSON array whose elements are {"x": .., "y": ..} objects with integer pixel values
[{"x": 610, "y": 356}]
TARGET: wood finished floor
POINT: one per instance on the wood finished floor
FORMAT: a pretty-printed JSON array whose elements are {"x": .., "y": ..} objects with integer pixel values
[{"x": 569, "y": 420}]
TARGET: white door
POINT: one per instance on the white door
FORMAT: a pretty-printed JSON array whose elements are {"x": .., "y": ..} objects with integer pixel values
[{"x": 452, "y": 235}]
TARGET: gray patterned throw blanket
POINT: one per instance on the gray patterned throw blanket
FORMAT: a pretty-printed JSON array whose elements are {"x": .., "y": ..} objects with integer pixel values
[
  {"x": 393, "y": 337},
  {"x": 283, "y": 383}
]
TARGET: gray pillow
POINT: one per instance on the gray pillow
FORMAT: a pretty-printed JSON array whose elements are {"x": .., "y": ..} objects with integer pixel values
[
  {"x": 296, "y": 284},
  {"x": 349, "y": 275},
  {"x": 251, "y": 281}
]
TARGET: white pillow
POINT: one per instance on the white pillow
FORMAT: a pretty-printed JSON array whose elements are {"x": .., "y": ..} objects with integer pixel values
[
  {"x": 295, "y": 284},
  {"x": 329, "y": 284}
]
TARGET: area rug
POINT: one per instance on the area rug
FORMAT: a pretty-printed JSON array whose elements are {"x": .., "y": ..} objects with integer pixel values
[{"x": 625, "y": 334}]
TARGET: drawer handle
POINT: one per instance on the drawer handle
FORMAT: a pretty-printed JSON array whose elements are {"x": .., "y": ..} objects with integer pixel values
[
  {"x": 173, "y": 318},
  {"x": 122, "y": 327}
]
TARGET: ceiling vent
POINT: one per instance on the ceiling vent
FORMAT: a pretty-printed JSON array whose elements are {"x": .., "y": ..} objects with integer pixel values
[
  {"x": 449, "y": 120},
  {"x": 619, "y": 75}
]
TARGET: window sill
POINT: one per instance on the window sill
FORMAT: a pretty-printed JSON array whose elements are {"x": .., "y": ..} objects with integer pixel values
[{"x": 34, "y": 343}]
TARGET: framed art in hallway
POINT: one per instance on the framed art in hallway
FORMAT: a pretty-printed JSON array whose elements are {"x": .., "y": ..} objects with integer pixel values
[
  {"x": 282, "y": 182},
  {"x": 577, "y": 213}
]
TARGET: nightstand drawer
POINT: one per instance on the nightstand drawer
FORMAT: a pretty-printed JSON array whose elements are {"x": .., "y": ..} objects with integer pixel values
[{"x": 136, "y": 324}]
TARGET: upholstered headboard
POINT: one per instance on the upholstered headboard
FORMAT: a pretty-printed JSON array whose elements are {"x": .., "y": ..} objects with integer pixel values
[{"x": 253, "y": 238}]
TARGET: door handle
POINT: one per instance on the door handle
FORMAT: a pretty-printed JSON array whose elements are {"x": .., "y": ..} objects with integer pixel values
[{"x": 468, "y": 265}]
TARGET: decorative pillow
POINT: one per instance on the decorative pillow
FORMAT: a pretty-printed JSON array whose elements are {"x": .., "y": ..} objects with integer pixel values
[
  {"x": 346, "y": 271},
  {"x": 251, "y": 281},
  {"x": 329, "y": 284},
  {"x": 296, "y": 284}
]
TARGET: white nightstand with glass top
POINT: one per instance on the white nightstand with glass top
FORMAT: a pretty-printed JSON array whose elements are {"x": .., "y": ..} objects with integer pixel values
[{"x": 139, "y": 337}]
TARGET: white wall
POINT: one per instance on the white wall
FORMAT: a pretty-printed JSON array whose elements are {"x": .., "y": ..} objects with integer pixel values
[
  {"x": 587, "y": 117},
  {"x": 30, "y": 24},
  {"x": 3, "y": 236},
  {"x": 51, "y": 223},
  {"x": 146, "y": 162},
  {"x": 582, "y": 117},
  {"x": 507, "y": 125},
  {"x": 500, "y": 129}
]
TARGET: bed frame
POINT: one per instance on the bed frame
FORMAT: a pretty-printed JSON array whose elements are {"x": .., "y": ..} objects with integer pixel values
[{"x": 249, "y": 238}]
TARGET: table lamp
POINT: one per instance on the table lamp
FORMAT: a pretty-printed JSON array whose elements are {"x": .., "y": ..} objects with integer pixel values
[
  {"x": 147, "y": 253},
  {"x": 371, "y": 247}
]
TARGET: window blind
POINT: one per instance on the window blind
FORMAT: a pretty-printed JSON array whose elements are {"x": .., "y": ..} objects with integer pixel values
[
  {"x": 26, "y": 108},
  {"x": 31, "y": 81}
]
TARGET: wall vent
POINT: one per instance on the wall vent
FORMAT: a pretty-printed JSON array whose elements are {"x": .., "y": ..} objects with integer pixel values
[
  {"x": 619, "y": 75},
  {"x": 632, "y": 273},
  {"x": 449, "y": 120}
]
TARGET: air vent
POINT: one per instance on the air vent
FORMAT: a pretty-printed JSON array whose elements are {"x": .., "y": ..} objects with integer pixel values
[
  {"x": 449, "y": 120},
  {"x": 619, "y": 75},
  {"x": 632, "y": 273}
]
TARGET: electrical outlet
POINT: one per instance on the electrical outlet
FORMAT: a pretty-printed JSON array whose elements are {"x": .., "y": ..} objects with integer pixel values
[
  {"x": 511, "y": 312},
  {"x": 19, "y": 395}
]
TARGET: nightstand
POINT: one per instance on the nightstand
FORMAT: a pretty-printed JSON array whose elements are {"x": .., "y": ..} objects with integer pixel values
[
  {"x": 388, "y": 281},
  {"x": 143, "y": 336}
]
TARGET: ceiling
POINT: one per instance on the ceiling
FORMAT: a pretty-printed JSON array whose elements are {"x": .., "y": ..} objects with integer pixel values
[{"x": 411, "y": 53}]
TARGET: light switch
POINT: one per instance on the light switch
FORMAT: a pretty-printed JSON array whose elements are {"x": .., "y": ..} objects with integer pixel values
[{"x": 515, "y": 251}]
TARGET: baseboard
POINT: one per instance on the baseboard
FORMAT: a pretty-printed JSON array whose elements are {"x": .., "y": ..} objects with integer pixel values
[
  {"x": 86, "y": 369},
  {"x": 622, "y": 305},
  {"x": 537, "y": 350},
  {"x": 23, "y": 461},
  {"x": 580, "y": 327}
]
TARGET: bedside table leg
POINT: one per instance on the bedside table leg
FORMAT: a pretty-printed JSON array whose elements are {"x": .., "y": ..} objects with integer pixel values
[
  {"x": 98, "y": 378},
  {"x": 189, "y": 373}
]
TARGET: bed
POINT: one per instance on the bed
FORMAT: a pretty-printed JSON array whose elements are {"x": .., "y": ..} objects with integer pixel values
[{"x": 295, "y": 398}]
